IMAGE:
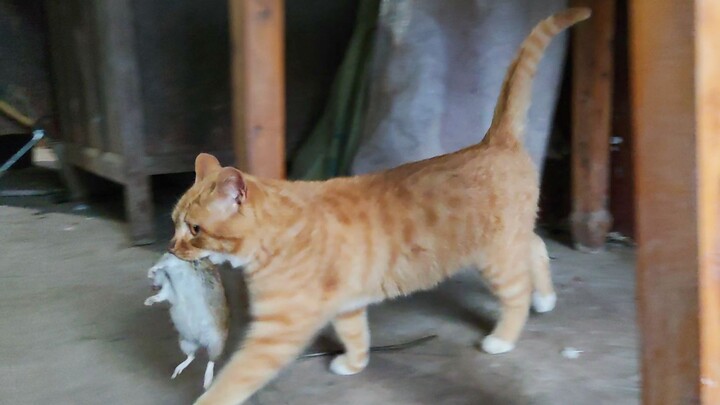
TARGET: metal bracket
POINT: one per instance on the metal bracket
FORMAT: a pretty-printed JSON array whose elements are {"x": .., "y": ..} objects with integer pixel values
[{"x": 38, "y": 134}]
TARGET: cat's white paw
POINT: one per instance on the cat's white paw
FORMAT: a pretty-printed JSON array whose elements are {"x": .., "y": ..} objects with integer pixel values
[
  {"x": 543, "y": 303},
  {"x": 493, "y": 345},
  {"x": 340, "y": 366},
  {"x": 149, "y": 301}
]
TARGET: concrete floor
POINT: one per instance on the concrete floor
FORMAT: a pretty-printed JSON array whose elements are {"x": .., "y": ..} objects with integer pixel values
[{"x": 73, "y": 329}]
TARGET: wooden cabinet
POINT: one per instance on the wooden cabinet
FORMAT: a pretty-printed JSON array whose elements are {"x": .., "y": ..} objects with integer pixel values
[{"x": 143, "y": 86}]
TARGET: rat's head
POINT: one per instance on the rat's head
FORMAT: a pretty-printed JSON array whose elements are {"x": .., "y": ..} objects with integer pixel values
[{"x": 213, "y": 217}]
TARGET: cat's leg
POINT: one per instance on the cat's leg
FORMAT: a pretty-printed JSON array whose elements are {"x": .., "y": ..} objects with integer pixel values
[
  {"x": 352, "y": 330},
  {"x": 510, "y": 281},
  {"x": 274, "y": 339},
  {"x": 544, "y": 297},
  {"x": 189, "y": 348}
]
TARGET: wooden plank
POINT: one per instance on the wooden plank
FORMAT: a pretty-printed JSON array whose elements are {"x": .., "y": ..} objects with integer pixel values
[
  {"x": 707, "y": 101},
  {"x": 186, "y": 83},
  {"x": 105, "y": 164},
  {"x": 663, "y": 115},
  {"x": 124, "y": 114},
  {"x": 258, "y": 86},
  {"x": 181, "y": 163},
  {"x": 675, "y": 83},
  {"x": 591, "y": 124},
  {"x": 84, "y": 45},
  {"x": 63, "y": 19}
]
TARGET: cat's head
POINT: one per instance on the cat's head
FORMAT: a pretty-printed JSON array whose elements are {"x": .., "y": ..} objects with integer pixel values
[{"x": 213, "y": 217}]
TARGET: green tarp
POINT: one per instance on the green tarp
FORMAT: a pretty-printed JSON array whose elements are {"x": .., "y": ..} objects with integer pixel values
[{"x": 330, "y": 148}]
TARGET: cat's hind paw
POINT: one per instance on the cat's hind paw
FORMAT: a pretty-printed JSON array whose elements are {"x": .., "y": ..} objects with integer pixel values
[{"x": 543, "y": 303}]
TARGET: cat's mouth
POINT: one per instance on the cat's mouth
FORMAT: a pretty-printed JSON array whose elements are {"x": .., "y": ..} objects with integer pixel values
[{"x": 220, "y": 258}]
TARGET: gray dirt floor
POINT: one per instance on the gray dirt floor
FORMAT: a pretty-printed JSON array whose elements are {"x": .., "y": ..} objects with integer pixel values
[{"x": 73, "y": 328}]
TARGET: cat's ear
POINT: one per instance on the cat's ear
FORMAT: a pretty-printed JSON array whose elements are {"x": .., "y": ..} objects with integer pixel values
[
  {"x": 204, "y": 165},
  {"x": 231, "y": 184}
]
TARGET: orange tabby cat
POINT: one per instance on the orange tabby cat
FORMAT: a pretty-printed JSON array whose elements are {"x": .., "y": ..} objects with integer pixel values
[{"x": 318, "y": 252}]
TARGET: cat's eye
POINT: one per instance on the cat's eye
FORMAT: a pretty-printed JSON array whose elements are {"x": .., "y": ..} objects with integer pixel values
[{"x": 194, "y": 229}]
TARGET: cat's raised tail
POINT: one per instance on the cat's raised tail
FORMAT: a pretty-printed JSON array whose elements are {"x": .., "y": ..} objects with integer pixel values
[{"x": 511, "y": 110}]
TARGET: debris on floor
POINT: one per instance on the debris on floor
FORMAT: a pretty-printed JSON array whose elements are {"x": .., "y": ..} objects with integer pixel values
[
  {"x": 90, "y": 339},
  {"x": 571, "y": 353}
]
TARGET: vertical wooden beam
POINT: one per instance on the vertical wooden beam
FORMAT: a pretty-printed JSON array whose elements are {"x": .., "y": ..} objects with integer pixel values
[
  {"x": 591, "y": 124},
  {"x": 258, "y": 77},
  {"x": 621, "y": 197},
  {"x": 675, "y": 84},
  {"x": 664, "y": 123},
  {"x": 120, "y": 82},
  {"x": 707, "y": 102}
]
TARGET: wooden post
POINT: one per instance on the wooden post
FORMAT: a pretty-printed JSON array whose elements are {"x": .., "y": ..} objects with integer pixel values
[
  {"x": 258, "y": 77},
  {"x": 707, "y": 103},
  {"x": 675, "y": 68},
  {"x": 591, "y": 124},
  {"x": 123, "y": 109}
]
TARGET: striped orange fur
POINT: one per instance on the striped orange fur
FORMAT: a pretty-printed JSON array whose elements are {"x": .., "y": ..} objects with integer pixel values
[{"x": 319, "y": 252}]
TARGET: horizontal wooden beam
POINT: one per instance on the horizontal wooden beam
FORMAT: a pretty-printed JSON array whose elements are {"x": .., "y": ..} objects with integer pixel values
[{"x": 105, "y": 164}]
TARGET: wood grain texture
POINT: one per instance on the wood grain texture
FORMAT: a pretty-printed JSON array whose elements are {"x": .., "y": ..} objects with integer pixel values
[
  {"x": 120, "y": 89},
  {"x": 258, "y": 86},
  {"x": 707, "y": 101},
  {"x": 591, "y": 124},
  {"x": 135, "y": 98},
  {"x": 672, "y": 205}
]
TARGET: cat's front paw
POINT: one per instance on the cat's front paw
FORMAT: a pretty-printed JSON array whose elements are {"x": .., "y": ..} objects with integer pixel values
[
  {"x": 149, "y": 301},
  {"x": 493, "y": 345},
  {"x": 341, "y": 365}
]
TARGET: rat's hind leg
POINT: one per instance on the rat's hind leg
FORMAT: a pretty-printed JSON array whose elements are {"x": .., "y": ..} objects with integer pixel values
[
  {"x": 278, "y": 333},
  {"x": 214, "y": 351},
  {"x": 180, "y": 367},
  {"x": 209, "y": 374},
  {"x": 189, "y": 348}
]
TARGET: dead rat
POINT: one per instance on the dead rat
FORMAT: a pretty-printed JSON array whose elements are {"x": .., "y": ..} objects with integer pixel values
[{"x": 198, "y": 307}]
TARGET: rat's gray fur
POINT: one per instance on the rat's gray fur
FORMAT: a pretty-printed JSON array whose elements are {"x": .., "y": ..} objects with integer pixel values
[{"x": 198, "y": 307}]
